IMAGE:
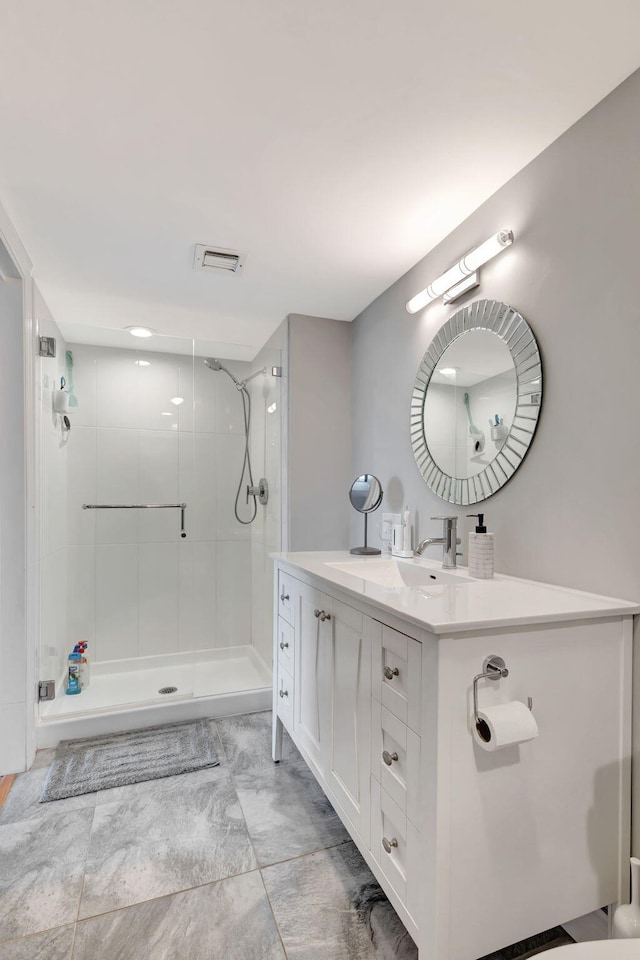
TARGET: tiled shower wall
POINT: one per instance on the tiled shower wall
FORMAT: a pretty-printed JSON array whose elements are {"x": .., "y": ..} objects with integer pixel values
[
  {"x": 54, "y": 554},
  {"x": 267, "y": 536},
  {"x": 135, "y": 587}
]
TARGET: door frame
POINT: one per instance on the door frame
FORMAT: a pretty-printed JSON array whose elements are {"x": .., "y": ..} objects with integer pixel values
[{"x": 24, "y": 267}]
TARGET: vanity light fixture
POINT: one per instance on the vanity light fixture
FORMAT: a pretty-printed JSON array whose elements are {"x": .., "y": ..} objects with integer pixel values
[
  {"x": 463, "y": 276},
  {"x": 140, "y": 331}
]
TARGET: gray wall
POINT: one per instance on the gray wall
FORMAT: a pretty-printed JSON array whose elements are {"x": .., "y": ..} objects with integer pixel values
[
  {"x": 319, "y": 438},
  {"x": 571, "y": 514}
]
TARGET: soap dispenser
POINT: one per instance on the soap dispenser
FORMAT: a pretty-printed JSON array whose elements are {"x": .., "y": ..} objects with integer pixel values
[{"x": 480, "y": 550}]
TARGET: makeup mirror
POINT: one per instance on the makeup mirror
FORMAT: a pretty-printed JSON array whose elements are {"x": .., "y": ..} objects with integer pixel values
[{"x": 365, "y": 496}]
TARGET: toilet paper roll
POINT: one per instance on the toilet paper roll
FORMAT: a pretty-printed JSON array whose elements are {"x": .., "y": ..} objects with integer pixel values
[{"x": 505, "y": 724}]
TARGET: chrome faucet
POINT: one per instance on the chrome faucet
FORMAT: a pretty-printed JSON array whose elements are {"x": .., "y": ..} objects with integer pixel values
[{"x": 448, "y": 540}]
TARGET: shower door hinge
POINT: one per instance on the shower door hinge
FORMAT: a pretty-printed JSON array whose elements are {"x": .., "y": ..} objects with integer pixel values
[
  {"x": 47, "y": 346},
  {"x": 47, "y": 690}
]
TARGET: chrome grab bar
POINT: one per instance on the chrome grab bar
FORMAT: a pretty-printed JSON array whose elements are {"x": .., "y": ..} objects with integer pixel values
[{"x": 141, "y": 506}]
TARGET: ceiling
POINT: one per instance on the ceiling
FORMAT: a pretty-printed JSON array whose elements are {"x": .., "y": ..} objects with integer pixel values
[{"x": 336, "y": 143}]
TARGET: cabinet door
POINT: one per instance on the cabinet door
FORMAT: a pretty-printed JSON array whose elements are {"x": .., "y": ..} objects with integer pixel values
[
  {"x": 349, "y": 703},
  {"x": 312, "y": 666}
]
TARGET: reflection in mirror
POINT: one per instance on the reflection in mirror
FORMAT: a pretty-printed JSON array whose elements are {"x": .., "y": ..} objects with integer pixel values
[
  {"x": 476, "y": 402},
  {"x": 365, "y": 496},
  {"x": 365, "y": 493},
  {"x": 470, "y": 403}
]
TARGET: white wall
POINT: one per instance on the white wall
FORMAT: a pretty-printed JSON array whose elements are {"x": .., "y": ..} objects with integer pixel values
[
  {"x": 571, "y": 513},
  {"x": 135, "y": 588},
  {"x": 319, "y": 435}
]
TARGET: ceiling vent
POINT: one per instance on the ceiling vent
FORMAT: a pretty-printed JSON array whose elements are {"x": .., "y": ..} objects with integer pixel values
[{"x": 218, "y": 259}]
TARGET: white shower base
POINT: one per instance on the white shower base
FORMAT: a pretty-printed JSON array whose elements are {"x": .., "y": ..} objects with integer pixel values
[{"x": 124, "y": 694}]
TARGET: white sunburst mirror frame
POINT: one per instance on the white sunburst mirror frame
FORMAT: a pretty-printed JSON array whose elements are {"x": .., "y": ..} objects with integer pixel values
[{"x": 513, "y": 330}]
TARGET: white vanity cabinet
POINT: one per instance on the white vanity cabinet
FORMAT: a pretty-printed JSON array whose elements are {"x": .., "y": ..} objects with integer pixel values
[
  {"x": 331, "y": 715},
  {"x": 475, "y": 849}
]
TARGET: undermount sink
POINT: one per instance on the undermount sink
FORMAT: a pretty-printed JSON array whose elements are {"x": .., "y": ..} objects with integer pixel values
[{"x": 395, "y": 573}]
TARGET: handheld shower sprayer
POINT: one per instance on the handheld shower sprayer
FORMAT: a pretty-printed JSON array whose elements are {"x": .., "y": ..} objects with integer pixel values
[{"x": 261, "y": 491}]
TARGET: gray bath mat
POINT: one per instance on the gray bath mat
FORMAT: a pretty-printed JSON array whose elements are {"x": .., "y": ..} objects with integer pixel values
[{"x": 116, "y": 759}]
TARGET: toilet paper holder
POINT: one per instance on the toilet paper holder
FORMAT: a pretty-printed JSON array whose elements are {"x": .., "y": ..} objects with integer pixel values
[{"x": 493, "y": 668}]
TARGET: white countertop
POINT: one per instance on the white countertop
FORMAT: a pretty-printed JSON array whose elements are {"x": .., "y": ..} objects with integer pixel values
[{"x": 467, "y": 605}]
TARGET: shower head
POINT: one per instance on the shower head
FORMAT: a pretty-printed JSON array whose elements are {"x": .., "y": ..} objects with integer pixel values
[{"x": 214, "y": 364}]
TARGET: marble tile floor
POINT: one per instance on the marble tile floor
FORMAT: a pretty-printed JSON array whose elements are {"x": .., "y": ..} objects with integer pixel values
[{"x": 245, "y": 861}]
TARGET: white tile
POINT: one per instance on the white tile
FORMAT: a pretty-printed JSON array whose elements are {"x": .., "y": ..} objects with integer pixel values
[
  {"x": 158, "y": 587},
  {"x": 13, "y": 743},
  {"x": 186, "y": 376},
  {"x": 204, "y": 405},
  {"x": 197, "y": 596},
  {"x": 229, "y": 411},
  {"x": 81, "y": 485},
  {"x": 198, "y": 484},
  {"x": 117, "y": 483},
  {"x": 156, "y": 386},
  {"x": 158, "y": 482},
  {"x": 49, "y": 653},
  {"x": 229, "y": 461},
  {"x": 54, "y": 489},
  {"x": 84, "y": 382},
  {"x": 81, "y": 594},
  {"x": 116, "y": 601},
  {"x": 117, "y": 389},
  {"x": 233, "y": 592}
]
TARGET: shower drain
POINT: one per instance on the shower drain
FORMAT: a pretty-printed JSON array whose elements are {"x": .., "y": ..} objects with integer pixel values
[{"x": 168, "y": 690}]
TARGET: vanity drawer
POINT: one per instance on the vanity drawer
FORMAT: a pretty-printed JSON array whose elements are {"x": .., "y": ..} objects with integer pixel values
[
  {"x": 397, "y": 674},
  {"x": 285, "y": 597},
  {"x": 395, "y": 760},
  {"x": 285, "y": 698},
  {"x": 285, "y": 645},
  {"x": 394, "y": 845}
]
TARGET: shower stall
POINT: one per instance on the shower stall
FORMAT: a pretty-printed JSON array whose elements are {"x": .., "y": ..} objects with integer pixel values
[{"x": 160, "y": 477}]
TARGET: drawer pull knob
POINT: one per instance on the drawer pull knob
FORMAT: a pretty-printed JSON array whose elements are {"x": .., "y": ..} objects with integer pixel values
[
  {"x": 389, "y": 844},
  {"x": 284, "y": 693},
  {"x": 321, "y": 615},
  {"x": 283, "y": 645},
  {"x": 284, "y": 596},
  {"x": 389, "y": 757},
  {"x": 390, "y": 672}
]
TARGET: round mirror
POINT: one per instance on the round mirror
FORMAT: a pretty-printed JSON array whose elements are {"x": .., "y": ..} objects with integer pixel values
[
  {"x": 365, "y": 495},
  {"x": 476, "y": 402}
]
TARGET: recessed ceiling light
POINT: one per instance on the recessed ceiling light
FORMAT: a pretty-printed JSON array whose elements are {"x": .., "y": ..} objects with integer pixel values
[
  {"x": 177, "y": 400},
  {"x": 448, "y": 372},
  {"x": 140, "y": 331},
  {"x": 166, "y": 413},
  {"x": 142, "y": 363}
]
